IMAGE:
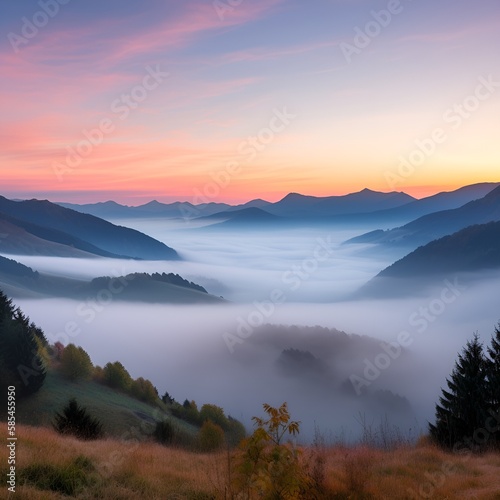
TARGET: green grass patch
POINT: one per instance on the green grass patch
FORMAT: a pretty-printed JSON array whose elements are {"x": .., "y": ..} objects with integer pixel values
[
  {"x": 69, "y": 479},
  {"x": 121, "y": 415}
]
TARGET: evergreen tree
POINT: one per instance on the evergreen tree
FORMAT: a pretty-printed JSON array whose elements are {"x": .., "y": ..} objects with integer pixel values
[
  {"x": 21, "y": 343},
  {"x": 494, "y": 376},
  {"x": 463, "y": 407},
  {"x": 75, "y": 420},
  {"x": 168, "y": 399}
]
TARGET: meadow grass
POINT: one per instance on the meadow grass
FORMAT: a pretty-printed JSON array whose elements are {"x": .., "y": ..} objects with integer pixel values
[
  {"x": 51, "y": 466},
  {"x": 120, "y": 414}
]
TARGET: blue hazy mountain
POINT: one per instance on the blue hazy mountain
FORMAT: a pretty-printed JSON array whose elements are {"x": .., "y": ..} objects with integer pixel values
[
  {"x": 242, "y": 218},
  {"x": 59, "y": 223},
  {"x": 18, "y": 280},
  {"x": 364, "y": 206},
  {"x": 438, "y": 224},
  {"x": 445, "y": 200},
  {"x": 365, "y": 201},
  {"x": 25, "y": 238},
  {"x": 153, "y": 209},
  {"x": 467, "y": 252}
]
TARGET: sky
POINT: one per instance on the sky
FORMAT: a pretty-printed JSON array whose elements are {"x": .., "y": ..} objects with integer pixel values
[{"x": 231, "y": 100}]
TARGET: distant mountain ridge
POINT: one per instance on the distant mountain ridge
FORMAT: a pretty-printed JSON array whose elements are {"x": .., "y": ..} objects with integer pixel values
[
  {"x": 470, "y": 250},
  {"x": 438, "y": 224},
  {"x": 56, "y": 224},
  {"x": 243, "y": 218},
  {"x": 298, "y": 205},
  {"x": 364, "y": 206}
]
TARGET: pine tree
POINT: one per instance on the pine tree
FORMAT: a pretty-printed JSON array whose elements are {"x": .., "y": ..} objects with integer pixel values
[
  {"x": 75, "y": 420},
  {"x": 463, "y": 407},
  {"x": 21, "y": 363},
  {"x": 493, "y": 365}
]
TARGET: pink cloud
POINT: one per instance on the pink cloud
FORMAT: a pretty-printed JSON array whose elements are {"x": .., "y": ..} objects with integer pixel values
[{"x": 195, "y": 20}]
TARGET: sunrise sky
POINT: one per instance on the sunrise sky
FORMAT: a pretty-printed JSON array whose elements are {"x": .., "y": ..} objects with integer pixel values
[{"x": 240, "y": 99}]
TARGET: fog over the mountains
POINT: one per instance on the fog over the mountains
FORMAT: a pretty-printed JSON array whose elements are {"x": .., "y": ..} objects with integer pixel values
[{"x": 222, "y": 354}]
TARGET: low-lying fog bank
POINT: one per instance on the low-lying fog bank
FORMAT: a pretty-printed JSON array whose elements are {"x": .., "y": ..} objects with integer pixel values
[
  {"x": 222, "y": 354},
  {"x": 243, "y": 266}
]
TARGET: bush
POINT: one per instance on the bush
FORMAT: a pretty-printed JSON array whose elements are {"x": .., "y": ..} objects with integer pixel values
[
  {"x": 164, "y": 432},
  {"x": 76, "y": 421},
  {"x": 210, "y": 437}
]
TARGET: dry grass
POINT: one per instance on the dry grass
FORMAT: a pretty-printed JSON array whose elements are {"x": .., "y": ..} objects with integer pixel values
[{"x": 110, "y": 469}]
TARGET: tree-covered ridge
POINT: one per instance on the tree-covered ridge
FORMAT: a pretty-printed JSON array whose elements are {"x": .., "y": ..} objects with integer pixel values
[
  {"x": 12, "y": 267},
  {"x": 170, "y": 278}
]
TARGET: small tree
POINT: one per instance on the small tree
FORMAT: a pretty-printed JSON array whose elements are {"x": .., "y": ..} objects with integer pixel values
[
  {"x": 215, "y": 414},
  {"x": 463, "y": 407},
  {"x": 76, "y": 421},
  {"x": 144, "y": 390},
  {"x": 76, "y": 363},
  {"x": 210, "y": 437},
  {"x": 267, "y": 466},
  {"x": 116, "y": 376}
]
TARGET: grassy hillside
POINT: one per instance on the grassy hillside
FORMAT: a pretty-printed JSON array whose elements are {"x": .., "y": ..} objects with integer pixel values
[
  {"x": 113, "y": 469},
  {"x": 119, "y": 413}
]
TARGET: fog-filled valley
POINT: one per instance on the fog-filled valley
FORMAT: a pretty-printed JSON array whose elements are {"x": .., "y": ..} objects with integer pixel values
[{"x": 280, "y": 335}]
